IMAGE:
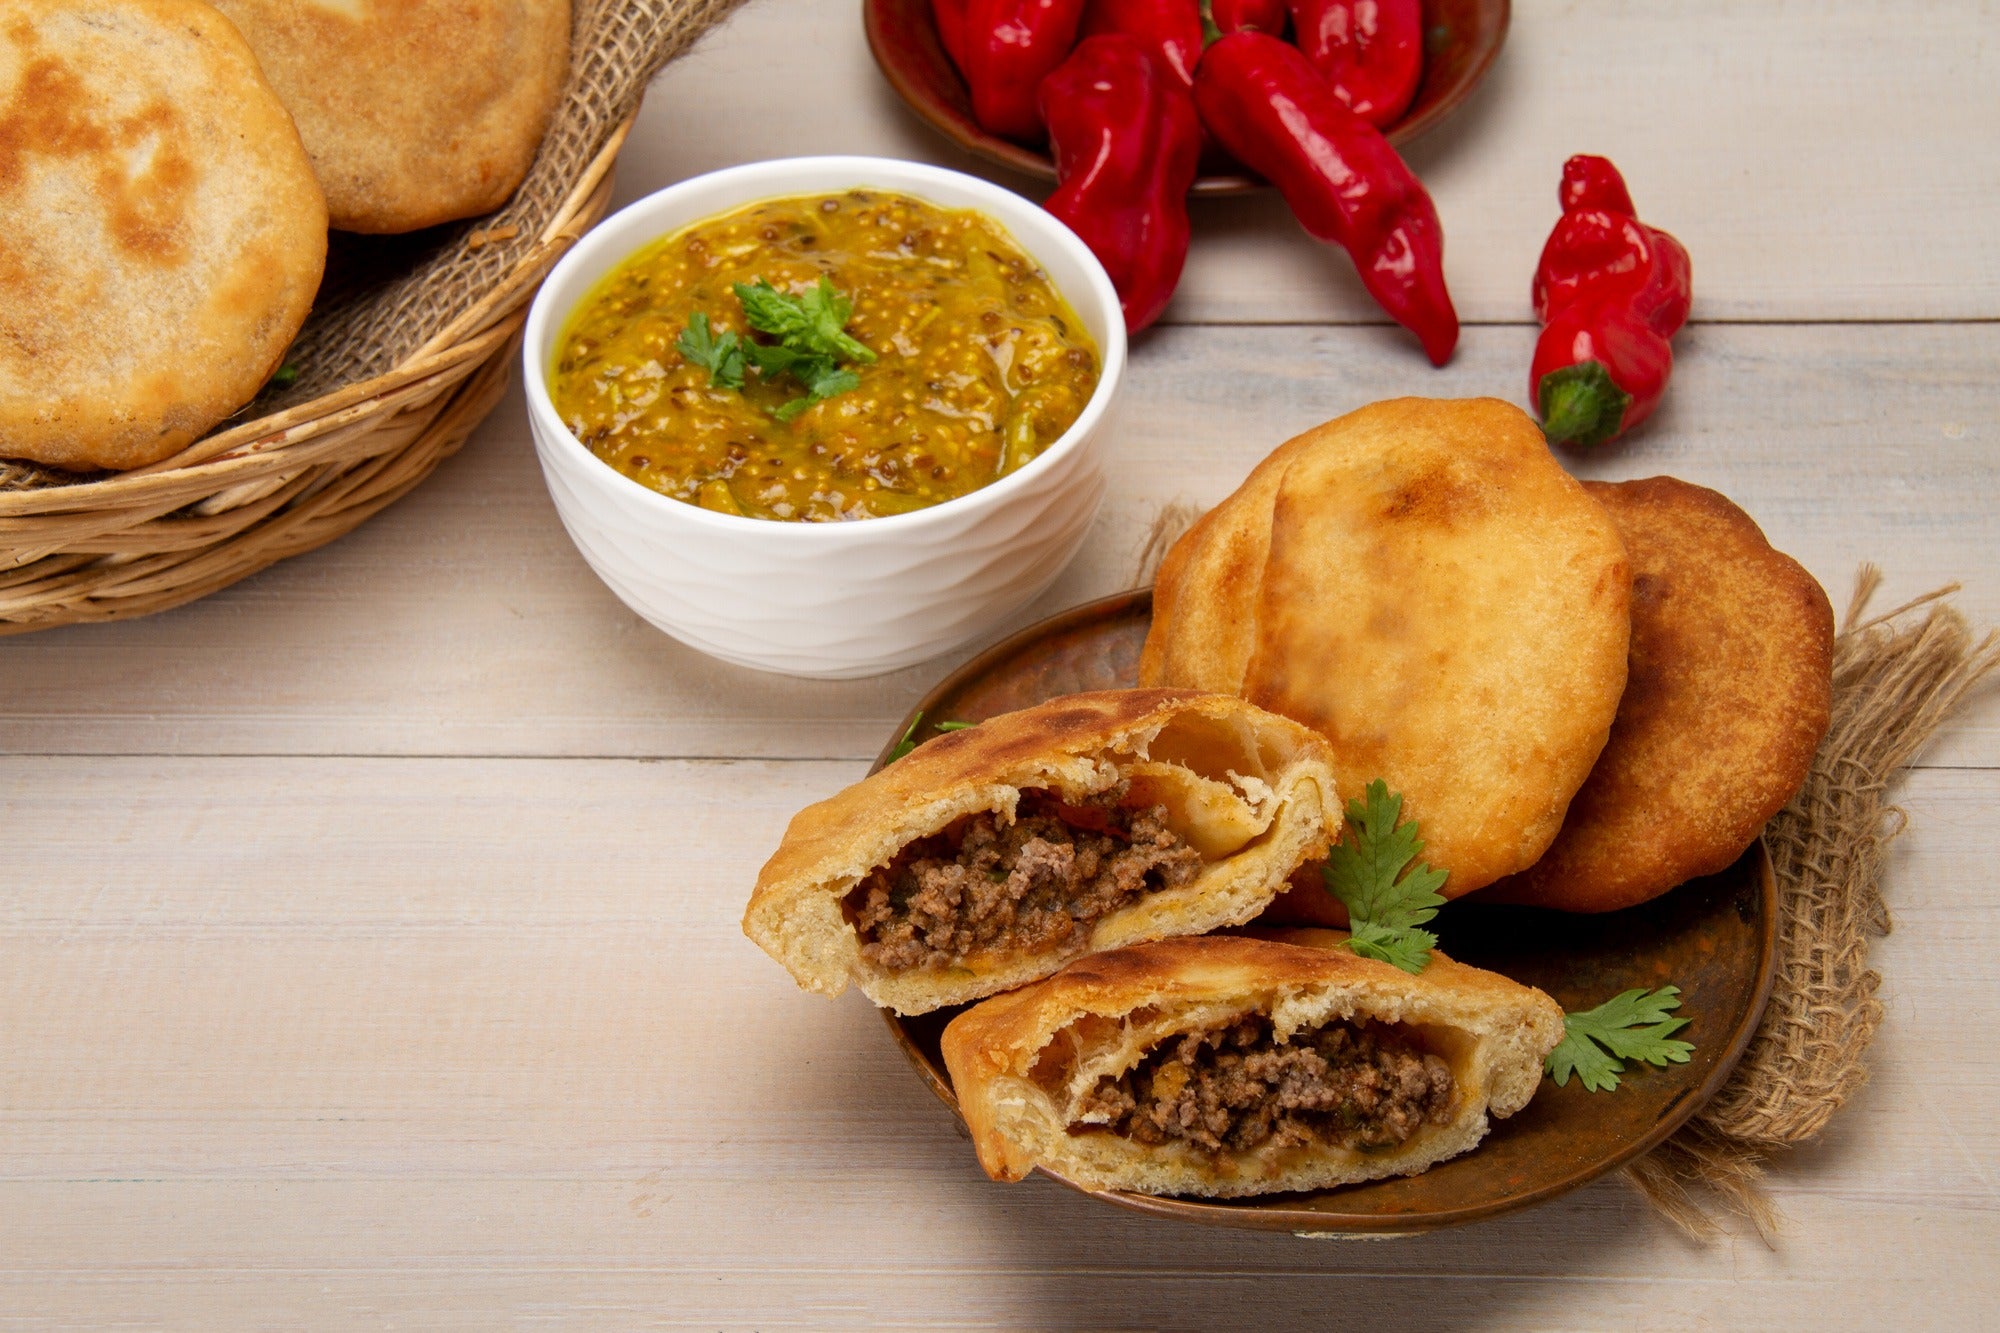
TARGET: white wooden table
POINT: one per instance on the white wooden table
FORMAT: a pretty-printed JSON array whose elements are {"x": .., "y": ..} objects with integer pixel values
[{"x": 368, "y": 932}]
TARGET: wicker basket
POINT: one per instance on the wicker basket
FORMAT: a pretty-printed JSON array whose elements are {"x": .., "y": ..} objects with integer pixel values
[{"x": 401, "y": 366}]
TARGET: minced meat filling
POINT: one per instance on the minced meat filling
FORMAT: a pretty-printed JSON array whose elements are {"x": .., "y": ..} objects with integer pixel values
[
  {"x": 1025, "y": 886},
  {"x": 1359, "y": 1085}
]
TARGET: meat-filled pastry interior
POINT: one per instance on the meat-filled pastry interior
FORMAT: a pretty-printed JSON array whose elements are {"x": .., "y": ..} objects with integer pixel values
[
  {"x": 1231, "y": 1065},
  {"x": 992, "y": 856}
]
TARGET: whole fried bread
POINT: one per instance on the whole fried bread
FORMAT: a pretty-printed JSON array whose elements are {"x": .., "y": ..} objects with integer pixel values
[
  {"x": 1249, "y": 791},
  {"x": 1423, "y": 584},
  {"x": 414, "y": 112},
  {"x": 161, "y": 232},
  {"x": 1727, "y": 698},
  {"x": 1020, "y": 1063}
]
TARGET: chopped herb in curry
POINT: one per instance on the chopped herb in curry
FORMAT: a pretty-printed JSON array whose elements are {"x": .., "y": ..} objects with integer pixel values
[{"x": 824, "y": 358}]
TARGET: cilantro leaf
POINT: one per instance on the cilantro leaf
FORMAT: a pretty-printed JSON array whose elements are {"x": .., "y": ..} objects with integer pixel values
[
  {"x": 1383, "y": 911},
  {"x": 811, "y": 343},
  {"x": 909, "y": 741},
  {"x": 812, "y": 323},
  {"x": 770, "y": 310},
  {"x": 828, "y": 381},
  {"x": 1636, "y": 1025},
  {"x": 775, "y": 359},
  {"x": 1409, "y": 949},
  {"x": 721, "y": 357},
  {"x": 820, "y": 387}
]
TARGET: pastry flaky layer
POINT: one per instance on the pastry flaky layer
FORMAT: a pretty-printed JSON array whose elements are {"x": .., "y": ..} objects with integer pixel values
[
  {"x": 1251, "y": 792},
  {"x": 1023, "y": 1063}
]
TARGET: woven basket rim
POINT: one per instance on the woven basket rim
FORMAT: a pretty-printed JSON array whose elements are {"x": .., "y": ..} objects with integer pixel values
[{"x": 262, "y": 442}]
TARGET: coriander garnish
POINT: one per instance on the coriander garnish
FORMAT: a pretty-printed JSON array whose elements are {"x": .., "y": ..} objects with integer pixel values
[
  {"x": 811, "y": 343},
  {"x": 1633, "y": 1026},
  {"x": 909, "y": 741},
  {"x": 721, "y": 356},
  {"x": 1384, "y": 912}
]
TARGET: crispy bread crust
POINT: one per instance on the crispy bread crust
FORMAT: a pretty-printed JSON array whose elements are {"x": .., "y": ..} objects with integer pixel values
[
  {"x": 1276, "y": 811},
  {"x": 415, "y": 112},
  {"x": 161, "y": 232},
  {"x": 1729, "y": 693},
  {"x": 1019, "y": 1060},
  {"x": 1421, "y": 582},
  {"x": 1208, "y": 584}
]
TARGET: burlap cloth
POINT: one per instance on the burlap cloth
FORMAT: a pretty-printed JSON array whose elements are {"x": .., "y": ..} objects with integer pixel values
[
  {"x": 1897, "y": 679},
  {"x": 384, "y": 297}
]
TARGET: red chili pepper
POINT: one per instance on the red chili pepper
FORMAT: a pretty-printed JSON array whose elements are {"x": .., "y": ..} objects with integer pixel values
[
  {"x": 1592, "y": 182},
  {"x": 1265, "y": 16},
  {"x": 950, "y": 16},
  {"x": 1171, "y": 27},
  {"x": 1126, "y": 141},
  {"x": 1264, "y": 102},
  {"x": 1599, "y": 370},
  {"x": 1371, "y": 51},
  {"x": 1598, "y": 246},
  {"x": 1612, "y": 291},
  {"x": 1010, "y": 47}
]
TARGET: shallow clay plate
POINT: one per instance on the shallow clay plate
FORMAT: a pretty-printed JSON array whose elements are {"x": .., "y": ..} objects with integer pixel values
[
  {"x": 1711, "y": 937},
  {"x": 1461, "y": 40}
]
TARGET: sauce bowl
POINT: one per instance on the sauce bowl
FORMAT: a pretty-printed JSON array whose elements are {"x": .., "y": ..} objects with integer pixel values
[{"x": 827, "y": 600}]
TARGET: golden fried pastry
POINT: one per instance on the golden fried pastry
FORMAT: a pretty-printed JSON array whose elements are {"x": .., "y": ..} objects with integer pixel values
[
  {"x": 992, "y": 856},
  {"x": 1423, "y": 584},
  {"x": 1229, "y": 1065},
  {"x": 1724, "y": 707},
  {"x": 161, "y": 233},
  {"x": 415, "y": 112}
]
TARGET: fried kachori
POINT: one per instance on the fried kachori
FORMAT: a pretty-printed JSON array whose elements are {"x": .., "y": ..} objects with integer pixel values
[
  {"x": 1726, "y": 701},
  {"x": 415, "y": 112},
  {"x": 1423, "y": 584},
  {"x": 161, "y": 232}
]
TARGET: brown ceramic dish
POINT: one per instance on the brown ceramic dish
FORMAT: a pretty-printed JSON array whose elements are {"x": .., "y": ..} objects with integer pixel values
[
  {"x": 1461, "y": 40},
  {"x": 1712, "y": 937}
]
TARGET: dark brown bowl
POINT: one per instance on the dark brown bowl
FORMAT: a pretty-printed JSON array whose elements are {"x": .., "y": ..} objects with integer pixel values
[
  {"x": 1461, "y": 40},
  {"x": 1711, "y": 937}
]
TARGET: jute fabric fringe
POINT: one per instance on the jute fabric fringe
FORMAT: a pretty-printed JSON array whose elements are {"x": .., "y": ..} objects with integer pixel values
[{"x": 1898, "y": 678}]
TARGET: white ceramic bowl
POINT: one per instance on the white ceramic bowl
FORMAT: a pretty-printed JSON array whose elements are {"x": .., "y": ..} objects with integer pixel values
[{"x": 832, "y": 600}]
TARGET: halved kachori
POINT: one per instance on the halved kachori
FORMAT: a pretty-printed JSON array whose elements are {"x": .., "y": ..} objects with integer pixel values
[
  {"x": 1229, "y": 1066},
  {"x": 990, "y": 857}
]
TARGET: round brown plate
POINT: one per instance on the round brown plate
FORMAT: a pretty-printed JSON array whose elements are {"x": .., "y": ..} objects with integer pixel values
[
  {"x": 1461, "y": 40},
  {"x": 1711, "y": 937}
]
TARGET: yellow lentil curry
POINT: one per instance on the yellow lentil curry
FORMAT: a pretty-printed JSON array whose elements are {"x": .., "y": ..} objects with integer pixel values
[{"x": 978, "y": 363}]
